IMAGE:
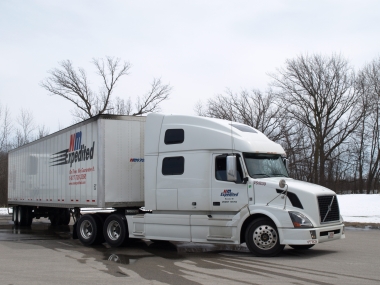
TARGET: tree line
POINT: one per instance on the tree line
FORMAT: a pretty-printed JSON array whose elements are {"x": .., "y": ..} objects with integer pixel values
[
  {"x": 319, "y": 108},
  {"x": 323, "y": 112}
]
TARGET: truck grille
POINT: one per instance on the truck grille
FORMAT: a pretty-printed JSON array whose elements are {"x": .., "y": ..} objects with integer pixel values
[{"x": 328, "y": 209}]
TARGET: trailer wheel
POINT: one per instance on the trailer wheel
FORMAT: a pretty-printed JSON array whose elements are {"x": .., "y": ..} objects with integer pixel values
[
  {"x": 301, "y": 246},
  {"x": 262, "y": 238},
  {"x": 15, "y": 215},
  {"x": 28, "y": 214},
  {"x": 89, "y": 230},
  {"x": 20, "y": 213},
  {"x": 115, "y": 230},
  {"x": 24, "y": 216}
]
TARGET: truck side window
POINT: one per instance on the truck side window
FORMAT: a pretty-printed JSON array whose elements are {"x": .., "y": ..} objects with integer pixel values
[
  {"x": 221, "y": 167},
  {"x": 174, "y": 165},
  {"x": 174, "y": 136}
]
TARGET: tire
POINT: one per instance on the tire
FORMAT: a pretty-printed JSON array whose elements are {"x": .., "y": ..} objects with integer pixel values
[
  {"x": 20, "y": 213},
  {"x": 301, "y": 246},
  {"x": 24, "y": 216},
  {"x": 262, "y": 238},
  {"x": 15, "y": 215},
  {"x": 115, "y": 230},
  {"x": 28, "y": 216},
  {"x": 89, "y": 230}
]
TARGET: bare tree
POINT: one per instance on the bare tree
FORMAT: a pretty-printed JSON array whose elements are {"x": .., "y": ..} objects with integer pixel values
[
  {"x": 367, "y": 137},
  {"x": 121, "y": 107},
  {"x": 74, "y": 86},
  {"x": 319, "y": 93},
  {"x": 42, "y": 131},
  {"x": 251, "y": 108},
  {"x": 24, "y": 133},
  {"x": 151, "y": 100},
  {"x": 145, "y": 104},
  {"x": 6, "y": 128}
]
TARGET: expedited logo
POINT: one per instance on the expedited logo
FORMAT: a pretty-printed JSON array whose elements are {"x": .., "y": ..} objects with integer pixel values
[
  {"x": 136, "y": 160},
  {"x": 228, "y": 193},
  {"x": 76, "y": 152}
]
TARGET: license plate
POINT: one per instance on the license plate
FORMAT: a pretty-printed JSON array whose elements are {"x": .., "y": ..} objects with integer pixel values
[{"x": 331, "y": 235}]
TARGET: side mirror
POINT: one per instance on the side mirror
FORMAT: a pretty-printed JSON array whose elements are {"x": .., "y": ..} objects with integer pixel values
[
  {"x": 286, "y": 162},
  {"x": 231, "y": 168}
]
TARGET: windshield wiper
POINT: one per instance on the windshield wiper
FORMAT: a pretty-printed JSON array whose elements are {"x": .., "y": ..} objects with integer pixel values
[
  {"x": 264, "y": 174},
  {"x": 279, "y": 174}
]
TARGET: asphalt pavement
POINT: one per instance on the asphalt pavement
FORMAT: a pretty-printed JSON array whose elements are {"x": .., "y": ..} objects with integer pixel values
[{"x": 42, "y": 254}]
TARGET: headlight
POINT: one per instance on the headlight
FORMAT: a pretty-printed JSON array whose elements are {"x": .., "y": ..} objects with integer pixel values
[{"x": 300, "y": 221}]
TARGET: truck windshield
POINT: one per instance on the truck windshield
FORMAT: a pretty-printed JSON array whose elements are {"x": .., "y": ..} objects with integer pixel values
[{"x": 265, "y": 165}]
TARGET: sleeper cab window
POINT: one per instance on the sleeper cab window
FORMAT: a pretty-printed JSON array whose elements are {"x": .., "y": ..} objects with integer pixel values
[
  {"x": 174, "y": 136},
  {"x": 174, "y": 165}
]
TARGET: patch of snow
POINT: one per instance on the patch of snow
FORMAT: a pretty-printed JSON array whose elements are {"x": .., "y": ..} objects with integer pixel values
[
  {"x": 4, "y": 211},
  {"x": 360, "y": 208}
]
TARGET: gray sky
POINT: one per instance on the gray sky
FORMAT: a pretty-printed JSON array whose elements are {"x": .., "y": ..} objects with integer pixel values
[{"x": 199, "y": 47}]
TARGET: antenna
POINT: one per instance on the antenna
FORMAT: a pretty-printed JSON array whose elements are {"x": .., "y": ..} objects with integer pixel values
[{"x": 232, "y": 139}]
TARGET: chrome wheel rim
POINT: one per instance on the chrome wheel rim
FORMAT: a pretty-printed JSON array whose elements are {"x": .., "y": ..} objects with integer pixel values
[
  {"x": 113, "y": 230},
  {"x": 86, "y": 229},
  {"x": 265, "y": 237}
]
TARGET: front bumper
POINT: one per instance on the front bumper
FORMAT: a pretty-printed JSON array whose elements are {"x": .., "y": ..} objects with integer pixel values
[{"x": 304, "y": 236}]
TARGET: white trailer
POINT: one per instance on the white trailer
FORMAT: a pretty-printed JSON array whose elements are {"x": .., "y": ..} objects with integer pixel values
[
  {"x": 97, "y": 163},
  {"x": 198, "y": 180}
]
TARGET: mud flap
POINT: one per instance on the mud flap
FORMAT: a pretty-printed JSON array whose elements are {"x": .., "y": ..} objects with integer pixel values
[{"x": 75, "y": 236}]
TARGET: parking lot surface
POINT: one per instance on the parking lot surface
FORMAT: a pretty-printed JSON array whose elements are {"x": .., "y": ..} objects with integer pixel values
[{"x": 42, "y": 254}]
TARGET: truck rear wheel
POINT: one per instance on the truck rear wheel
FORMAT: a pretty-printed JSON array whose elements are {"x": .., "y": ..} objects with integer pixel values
[
  {"x": 115, "y": 230},
  {"x": 262, "y": 238},
  {"x": 89, "y": 230}
]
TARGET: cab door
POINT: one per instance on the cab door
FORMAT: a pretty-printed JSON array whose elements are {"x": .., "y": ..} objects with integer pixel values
[{"x": 227, "y": 195}]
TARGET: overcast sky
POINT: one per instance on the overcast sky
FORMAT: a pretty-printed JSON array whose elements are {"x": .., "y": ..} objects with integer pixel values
[{"x": 199, "y": 47}]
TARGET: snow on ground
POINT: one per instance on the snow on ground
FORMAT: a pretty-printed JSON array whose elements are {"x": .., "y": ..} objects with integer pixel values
[
  {"x": 359, "y": 208},
  {"x": 3, "y": 211}
]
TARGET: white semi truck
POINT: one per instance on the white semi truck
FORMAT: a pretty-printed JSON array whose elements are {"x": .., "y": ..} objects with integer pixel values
[{"x": 170, "y": 177}]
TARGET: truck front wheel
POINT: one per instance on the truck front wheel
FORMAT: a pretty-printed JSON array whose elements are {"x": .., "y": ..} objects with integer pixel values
[
  {"x": 115, "y": 230},
  {"x": 262, "y": 238},
  {"x": 89, "y": 230}
]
